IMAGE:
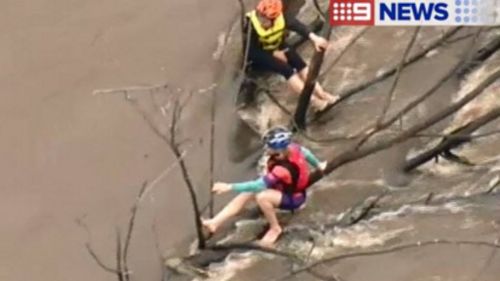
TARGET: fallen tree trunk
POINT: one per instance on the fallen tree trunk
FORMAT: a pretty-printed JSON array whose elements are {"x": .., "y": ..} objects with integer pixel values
[{"x": 455, "y": 139}]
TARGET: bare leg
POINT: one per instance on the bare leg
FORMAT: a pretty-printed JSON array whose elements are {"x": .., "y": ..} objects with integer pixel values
[
  {"x": 297, "y": 84},
  {"x": 230, "y": 210},
  {"x": 268, "y": 200},
  {"x": 318, "y": 90}
]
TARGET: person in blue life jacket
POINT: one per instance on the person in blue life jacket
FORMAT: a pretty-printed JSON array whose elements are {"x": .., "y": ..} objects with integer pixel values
[
  {"x": 267, "y": 50},
  {"x": 283, "y": 186}
]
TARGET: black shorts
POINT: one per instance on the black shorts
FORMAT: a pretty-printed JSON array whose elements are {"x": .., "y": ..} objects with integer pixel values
[{"x": 261, "y": 60}]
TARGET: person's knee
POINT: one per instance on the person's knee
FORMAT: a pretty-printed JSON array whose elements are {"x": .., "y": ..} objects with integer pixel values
[
  {"x": 261, "y": 197},
  {"x": 293, "y": 77}
]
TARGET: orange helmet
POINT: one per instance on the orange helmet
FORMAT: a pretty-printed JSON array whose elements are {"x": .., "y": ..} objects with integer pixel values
[{"x": 270, "y": 8}]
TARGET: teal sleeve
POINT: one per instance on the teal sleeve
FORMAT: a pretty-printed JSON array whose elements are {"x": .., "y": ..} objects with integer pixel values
[
  {"x": 311, "y": 159},
  {"x": 249, "y": 186}
]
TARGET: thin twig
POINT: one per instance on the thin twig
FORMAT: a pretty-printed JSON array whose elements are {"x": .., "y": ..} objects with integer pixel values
[
  {"x": 130, "y": 228},
  {"x": 212, "y": 153},
  {"x": 90, "y": 250},
  {"x": 119, "y": 256},
  {"x": 392, "y": 90},
  {"x": 130, "y": 89},
  {"x": 342, "y": 52},
  {"x": 413, "y": 104}
]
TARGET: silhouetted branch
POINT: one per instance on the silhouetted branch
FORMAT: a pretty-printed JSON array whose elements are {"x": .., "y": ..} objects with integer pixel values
[
  {"x": 310, "y": 84},
  {"x": 174, "y": 147},
  {"x": 92, "y": 253},
  {"x": 119, "y": 257}
]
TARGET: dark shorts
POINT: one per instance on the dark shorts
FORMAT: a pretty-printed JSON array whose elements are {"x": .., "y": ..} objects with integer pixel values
[
  {"x": 265, "y": 61},
  {"x": 292, "y": 202}
]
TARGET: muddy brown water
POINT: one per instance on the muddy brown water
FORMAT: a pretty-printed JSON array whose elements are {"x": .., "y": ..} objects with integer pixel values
[{"x": 67, "y": 154}]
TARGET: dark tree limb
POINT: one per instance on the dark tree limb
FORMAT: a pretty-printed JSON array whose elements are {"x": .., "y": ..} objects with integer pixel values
[
  {"x": 119, "y": 256},
  {"x": 364, "y": 85},
  {"x": 310, "y": 84},
  {"x": 174, "y": 147},
  {"x": 449, "y": 143}
]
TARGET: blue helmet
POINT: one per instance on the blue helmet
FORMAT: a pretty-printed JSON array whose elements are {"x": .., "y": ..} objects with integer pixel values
[{"x": 277, "y": 138}]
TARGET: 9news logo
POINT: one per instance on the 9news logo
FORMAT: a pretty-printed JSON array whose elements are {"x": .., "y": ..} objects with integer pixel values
[
  {"x": 414, "y": 12},
  {"x": 352, "y": 12}
]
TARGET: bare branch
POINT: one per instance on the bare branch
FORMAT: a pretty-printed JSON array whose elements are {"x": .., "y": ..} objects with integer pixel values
[
  {"x": 130, "y": 89},
  {"x": 392, "y": 90},
  {"x": 174, "y": 147},
  {"x": 398, "y": 248},
  {"x": 90, "y": 250},
  {"x": 131, "y": 227},
  {"x": 344, "y": 50},
  {"x": 351, "y": 91},
  {"x": 119, "y": 256},
  {"x": 212, "y": 152},
  {"x": 353, "y": 155}
]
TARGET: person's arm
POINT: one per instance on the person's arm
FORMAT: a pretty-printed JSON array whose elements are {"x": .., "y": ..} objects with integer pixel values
[
  {"x": 297, "y": 26},
  {"x": 249, "y": 186},
  {"x": 310, "y": 157},
  {"x": 294, "y": 24}
]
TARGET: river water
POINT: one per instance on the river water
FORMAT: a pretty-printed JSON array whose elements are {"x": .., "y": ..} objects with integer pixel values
[{"x": 68, "y": 154}]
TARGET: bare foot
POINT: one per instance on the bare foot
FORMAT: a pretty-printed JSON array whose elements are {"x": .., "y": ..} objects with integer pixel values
[
  {"x": 270, "y": 238},
  {"x": 208, "y": 228},
  {"x": 332, "y": 99},
  {"x": 319, "y": 104}
]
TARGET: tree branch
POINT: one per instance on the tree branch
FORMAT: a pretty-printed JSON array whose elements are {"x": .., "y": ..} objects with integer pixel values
[
  {"x": 450, "y": 143},
  {"x": 494, "y": 245},
  {"x": 353, "y": 154},
  {"x": 390, "y": 95},
  {"x": 364, "y": 85},
  {"x": 310, "y": 84}
]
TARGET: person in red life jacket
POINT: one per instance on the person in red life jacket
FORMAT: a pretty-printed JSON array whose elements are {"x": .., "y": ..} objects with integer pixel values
[
  {"x": 283, "y": 185},
  {"x": 267, "y": 50}
]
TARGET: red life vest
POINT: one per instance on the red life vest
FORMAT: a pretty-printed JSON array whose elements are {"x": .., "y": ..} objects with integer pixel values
[{"x": 296, "y": 164}]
